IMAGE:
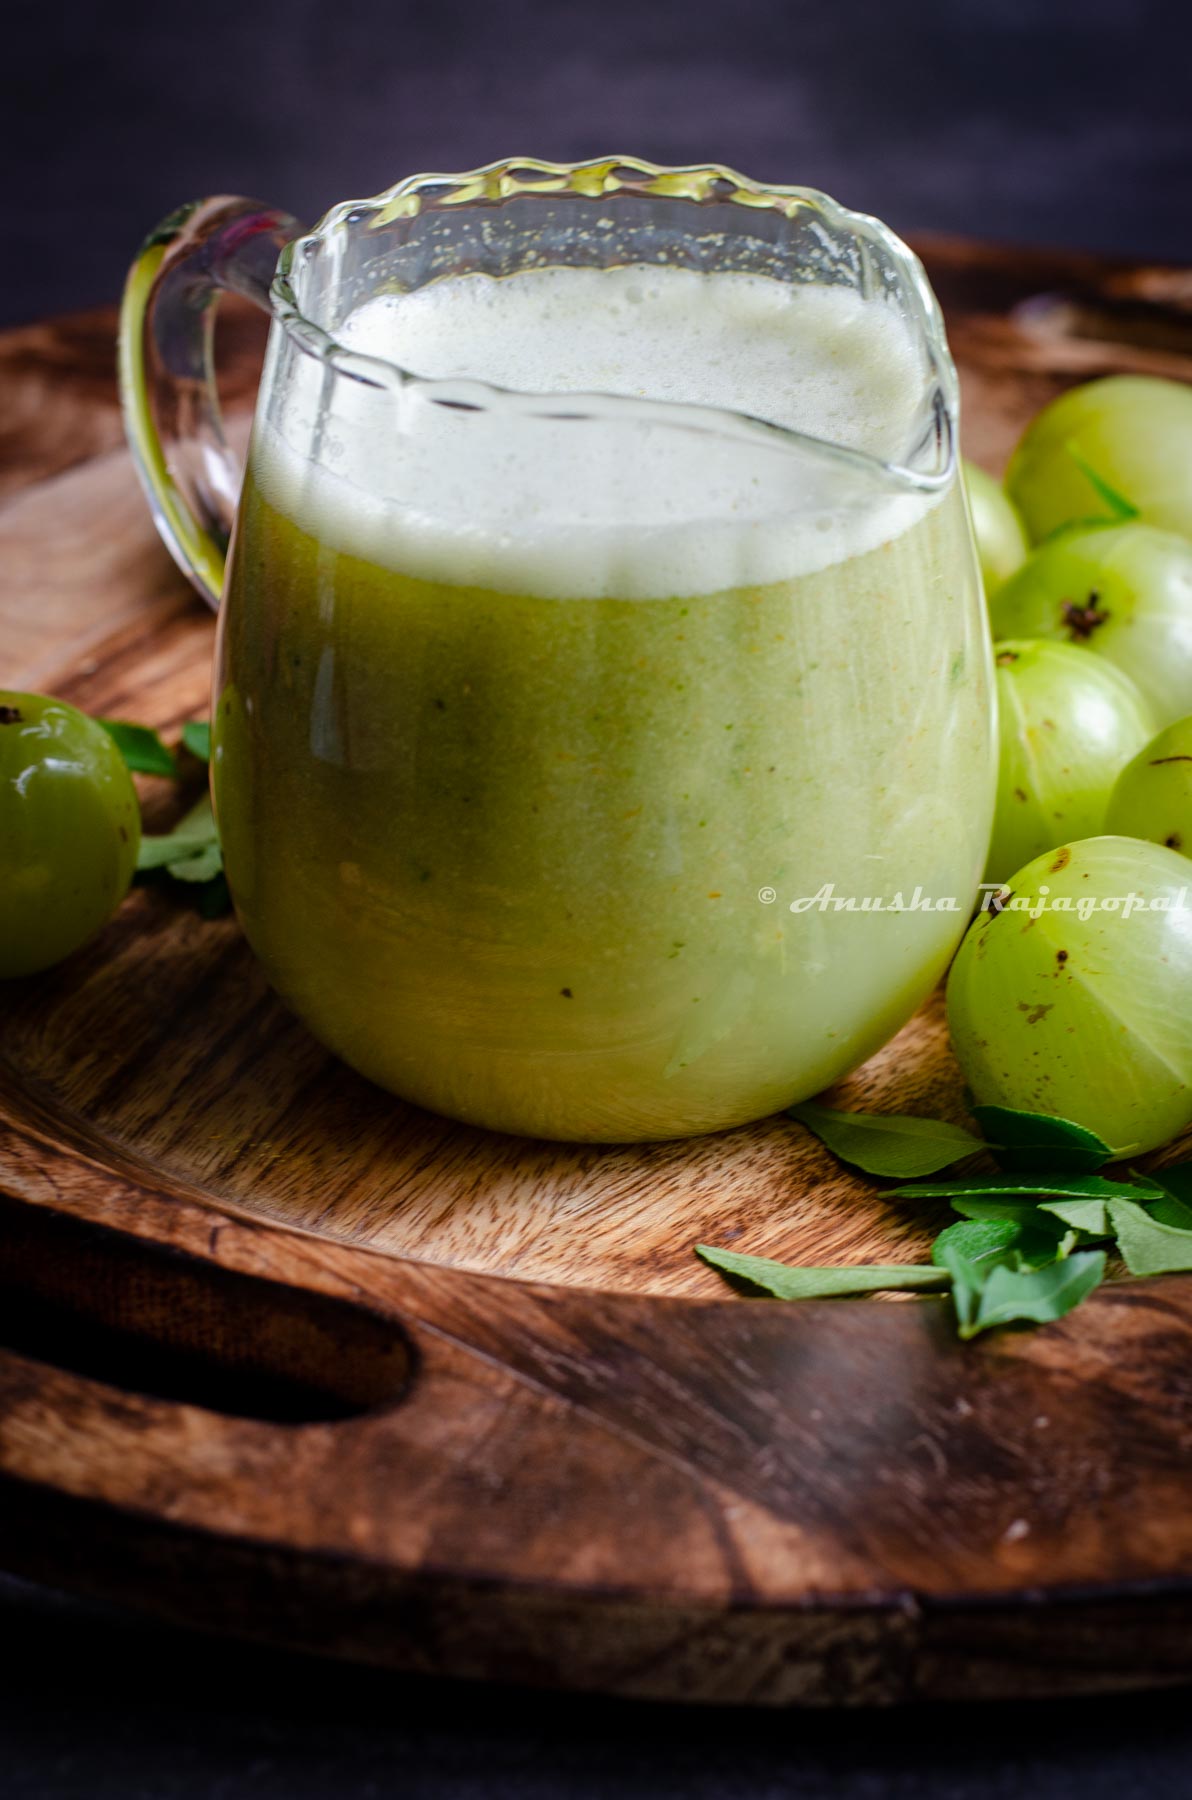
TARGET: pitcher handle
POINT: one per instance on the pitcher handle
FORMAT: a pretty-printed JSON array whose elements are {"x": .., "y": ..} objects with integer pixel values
[{"x": 189, "y": 472}]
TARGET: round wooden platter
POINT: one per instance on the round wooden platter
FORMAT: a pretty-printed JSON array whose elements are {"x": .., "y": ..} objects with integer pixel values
[{"x": 285, "y": 1357}]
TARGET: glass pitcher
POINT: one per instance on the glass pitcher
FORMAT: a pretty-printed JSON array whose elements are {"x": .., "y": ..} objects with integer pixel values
[{"x": 587, "y": 766}]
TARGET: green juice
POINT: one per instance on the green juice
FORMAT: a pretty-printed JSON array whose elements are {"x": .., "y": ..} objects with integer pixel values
[{"x": 528, "y": 858}]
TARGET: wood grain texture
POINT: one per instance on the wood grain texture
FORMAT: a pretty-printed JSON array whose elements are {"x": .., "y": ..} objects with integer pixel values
[{"x": 285, "y": 1356}]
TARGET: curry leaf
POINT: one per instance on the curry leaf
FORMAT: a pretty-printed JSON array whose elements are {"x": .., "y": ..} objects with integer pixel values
[
  {"x": 191, "y": 851},
  {"x": 1024, "y": 1140},
  {"x": 1086, "y": 1216},
  {"x": 177, "y": 847},
  {"x": 1147, "y": 1246},
  {"x": 972, "y": 1206},
  {"x": 1014, "y": 1187},
  {"x": 891, "y": 1144},
  {"x": 213, "y": 898},
  {"x": 975, "y": 1239},
  {"x": 788, "y": 1281},
  {"x": 1120, "y": 508},
  {"x": 968, "y": 1279},
  {"x": 196, "y": 735},
  {"x": 203, "y": 865},
  {"x": 1034, "y": 1296},
  {"x": 1173, "y": 1205},
  {"x": 141, "y": 748}
]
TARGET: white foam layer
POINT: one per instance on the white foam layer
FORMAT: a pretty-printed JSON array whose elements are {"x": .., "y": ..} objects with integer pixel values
[
  {"x": 816, "y": 359},
  {"x": 605, "y": 506}
]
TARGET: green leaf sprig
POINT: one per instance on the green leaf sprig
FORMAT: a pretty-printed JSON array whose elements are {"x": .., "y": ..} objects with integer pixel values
[
  {"x": 190, "y": 853},
  {"x": 787, "y": 1282},
  {"x": 1030, "y": 1244},
  {"x": 141, "y": 748},
  {"x": 196, "y": 736},
  {"x": 1119, "y": 510},
  {"x": 893, "y": 1144}
]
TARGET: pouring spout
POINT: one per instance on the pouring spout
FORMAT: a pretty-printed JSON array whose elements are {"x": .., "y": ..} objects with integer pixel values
[{"x": 608, "y": 213}]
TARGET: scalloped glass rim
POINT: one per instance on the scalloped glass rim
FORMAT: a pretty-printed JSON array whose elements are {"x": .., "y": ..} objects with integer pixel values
[{"x": 592, "y": 179}]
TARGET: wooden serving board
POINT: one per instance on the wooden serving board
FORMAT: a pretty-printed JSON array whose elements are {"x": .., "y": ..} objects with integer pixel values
[{"x": 282, "y": 1356}]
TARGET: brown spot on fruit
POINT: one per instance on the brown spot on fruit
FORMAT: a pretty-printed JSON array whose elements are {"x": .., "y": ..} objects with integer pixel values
[
  {"x": 1034, "y": 1013},
  {"x": 1061, "y": 957},
  {"x": 10, "y": 715},
  {"x": 1005, "y": 658},
  {"x": 1174, "y": 842},
  {"x": 1062, "y": 859},
  {"x": 1082, "y": 621}
]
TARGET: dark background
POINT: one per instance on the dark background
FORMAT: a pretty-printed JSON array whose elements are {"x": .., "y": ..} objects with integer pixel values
[
  {"x": 1036, "y": 121},
  {"x": 1029, "y": 120},
  {"x": 95, "y": 1708}
]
